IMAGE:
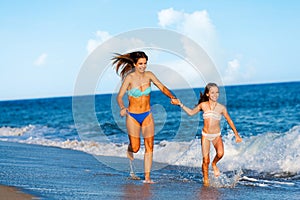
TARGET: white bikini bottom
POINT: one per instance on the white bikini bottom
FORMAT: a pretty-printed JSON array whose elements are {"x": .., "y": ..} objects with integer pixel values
[{"x": 211, "y": 137}]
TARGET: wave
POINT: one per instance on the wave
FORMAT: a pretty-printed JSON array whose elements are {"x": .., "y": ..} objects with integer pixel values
[
  {"x": 274, "y": 153},
  {"x": 9, "y": 131}
]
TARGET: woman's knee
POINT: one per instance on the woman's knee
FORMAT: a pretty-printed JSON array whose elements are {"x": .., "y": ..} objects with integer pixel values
[
  {"x": 135, "y": 148},
  {"x": 149, "y": 142},
  {"x": 149, "y": 147}
]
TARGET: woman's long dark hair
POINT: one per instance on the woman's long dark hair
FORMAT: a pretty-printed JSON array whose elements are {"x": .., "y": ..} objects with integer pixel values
[
  {"x": 124, "y": 62},
  {"x": 204, "y": 97}
]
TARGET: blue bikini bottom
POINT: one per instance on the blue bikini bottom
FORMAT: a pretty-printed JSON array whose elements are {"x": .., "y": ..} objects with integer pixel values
[{"x": 139, "y": 117}]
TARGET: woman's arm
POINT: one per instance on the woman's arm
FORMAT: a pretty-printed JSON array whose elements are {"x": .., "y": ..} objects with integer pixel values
[
  {"x": 120, "y": 95},
  {"x": 231, "y": 124},
  {"x": 160, "y": 86}
]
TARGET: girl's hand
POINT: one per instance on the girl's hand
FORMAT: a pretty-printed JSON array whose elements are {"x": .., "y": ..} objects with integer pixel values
[
  {"x": 123, "y": 112},
  {"x": 238, "y": 139}
]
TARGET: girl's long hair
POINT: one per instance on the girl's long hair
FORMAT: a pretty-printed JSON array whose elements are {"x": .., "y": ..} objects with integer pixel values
[
  {"x": 124, "y": 63},
  {"x": 204, "y": 97}
]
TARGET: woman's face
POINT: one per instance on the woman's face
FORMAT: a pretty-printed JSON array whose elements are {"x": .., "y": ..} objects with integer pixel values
[
  {"x": 213, "y": 93},
  {"x": 141, "y": 65}
]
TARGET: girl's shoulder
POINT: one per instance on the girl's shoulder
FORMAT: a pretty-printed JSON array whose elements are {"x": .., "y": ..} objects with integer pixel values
[
  {"x": 221, "y": 107},
  {"x": 203, "y": 105}
]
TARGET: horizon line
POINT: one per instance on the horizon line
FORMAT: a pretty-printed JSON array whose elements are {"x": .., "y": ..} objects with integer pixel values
[{"x": 107, "y": 93}]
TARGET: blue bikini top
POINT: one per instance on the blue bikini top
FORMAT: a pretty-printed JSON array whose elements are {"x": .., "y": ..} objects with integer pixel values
[{"x": 135, "y": 92}]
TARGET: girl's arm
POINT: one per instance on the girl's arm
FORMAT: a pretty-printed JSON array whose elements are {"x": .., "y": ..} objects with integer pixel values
[
  {"x": 231, "y": 124},
  {"x": 160, "y": 86},
  {"x": 120, "y": 95},
  {"x": 189, "y": 111}
]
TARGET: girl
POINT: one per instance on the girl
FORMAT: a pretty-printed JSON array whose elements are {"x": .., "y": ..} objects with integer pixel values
[{"x": 211, "y": 132}]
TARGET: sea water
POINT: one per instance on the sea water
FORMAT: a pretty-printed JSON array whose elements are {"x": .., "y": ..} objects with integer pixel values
[{"x": 267, "y": 117}]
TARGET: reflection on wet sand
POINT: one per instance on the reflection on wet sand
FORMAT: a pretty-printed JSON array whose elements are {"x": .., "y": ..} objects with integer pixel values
[
  {"x": 210, "y": 193},
  {"x": 135, "y": 191}
]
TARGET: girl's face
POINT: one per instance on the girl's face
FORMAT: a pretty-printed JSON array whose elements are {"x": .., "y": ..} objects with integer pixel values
[
  {"x": 213, "y": 93},
  {"x": 141, "y": 65}
]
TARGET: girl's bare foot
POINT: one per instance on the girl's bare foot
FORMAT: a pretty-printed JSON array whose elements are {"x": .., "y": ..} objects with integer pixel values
[
  {"x": 206, "y": 182},
  {"x": 216, "y": 170}
]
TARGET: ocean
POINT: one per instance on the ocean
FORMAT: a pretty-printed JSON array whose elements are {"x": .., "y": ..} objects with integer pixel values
[{"x": 75, "y": 148}]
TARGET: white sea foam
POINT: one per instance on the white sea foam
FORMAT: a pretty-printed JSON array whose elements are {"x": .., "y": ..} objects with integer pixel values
[
  {"x": 269, "y": 152},
  {"x": 263, "y": 182},
  {"x": 9, "y": 131}
]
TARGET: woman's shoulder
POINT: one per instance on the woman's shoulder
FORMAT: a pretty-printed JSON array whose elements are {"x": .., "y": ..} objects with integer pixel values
[
  {"x": 149, "y": 73},
  {"x": 129, "y": 76}
]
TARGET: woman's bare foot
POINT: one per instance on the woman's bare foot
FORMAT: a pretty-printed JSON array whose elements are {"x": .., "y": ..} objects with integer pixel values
[
  {"x": 134, "y": 177},
  {"x": 216, "y": 170},
  {"x": 148, "y": 181},
  {"x": 130, "y": 155}
]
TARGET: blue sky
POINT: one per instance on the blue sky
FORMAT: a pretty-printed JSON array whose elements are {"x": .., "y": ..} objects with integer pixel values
[{"x": 44, "y": 43}]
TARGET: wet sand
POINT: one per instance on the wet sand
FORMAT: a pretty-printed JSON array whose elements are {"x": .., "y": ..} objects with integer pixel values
[{"x": 13, "y": 193}]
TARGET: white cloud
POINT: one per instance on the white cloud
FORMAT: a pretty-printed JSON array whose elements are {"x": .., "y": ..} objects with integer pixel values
[
  {"x": 169, "y": 17},
  {"x": 101, "y": 36},
  {"x": 197, "y": 25},
  {"x": 41, "y": 60},
  {"x": 234, "y": 73}
]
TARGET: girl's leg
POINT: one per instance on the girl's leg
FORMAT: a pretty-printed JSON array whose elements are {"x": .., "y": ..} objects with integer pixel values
[
  {"x": 148, "y": 134},
  {"x": 218, "y": 144},
  {"x": 205, "y": 144}
]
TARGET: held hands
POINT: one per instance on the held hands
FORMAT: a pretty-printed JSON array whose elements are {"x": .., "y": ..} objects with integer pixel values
[{"x": 175, "y": 101}]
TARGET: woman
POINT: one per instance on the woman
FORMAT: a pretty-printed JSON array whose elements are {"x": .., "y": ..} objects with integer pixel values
[
  {"x": 211, "y": 132},
  {"x": 137, "y": 83}
]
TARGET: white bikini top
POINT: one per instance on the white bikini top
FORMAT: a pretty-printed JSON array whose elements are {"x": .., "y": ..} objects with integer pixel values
[{"x": 212, "y": 115}]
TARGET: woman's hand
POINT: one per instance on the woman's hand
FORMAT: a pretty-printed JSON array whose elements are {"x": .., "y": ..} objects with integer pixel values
[
  {"x": 123, "y": 112},
  {"x": 175, "y": 101}
]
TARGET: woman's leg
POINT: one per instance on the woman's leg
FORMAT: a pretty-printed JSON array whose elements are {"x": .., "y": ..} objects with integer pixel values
[
  {"x": 134, "y": 137},
  {"x": 205, "y": 144},
  {"x": 218, "y": 144},
  {"x": 148, "y": 134}
]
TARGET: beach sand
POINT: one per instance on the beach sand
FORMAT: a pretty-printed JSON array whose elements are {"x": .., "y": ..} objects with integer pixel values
[{"x": 13, "y": 193}]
